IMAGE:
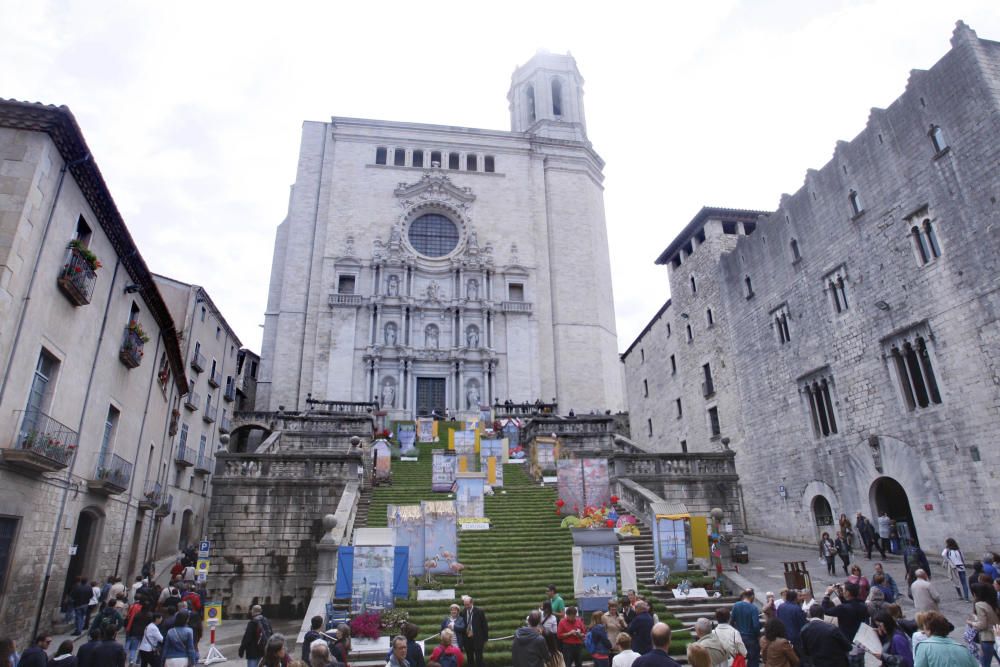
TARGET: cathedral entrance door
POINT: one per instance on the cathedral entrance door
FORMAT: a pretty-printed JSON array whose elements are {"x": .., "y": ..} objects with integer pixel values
[{"x": 430, "y": 396}]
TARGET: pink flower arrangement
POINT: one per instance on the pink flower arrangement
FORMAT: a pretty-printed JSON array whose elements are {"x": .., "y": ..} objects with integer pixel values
[{"x": 366, "y": 625}]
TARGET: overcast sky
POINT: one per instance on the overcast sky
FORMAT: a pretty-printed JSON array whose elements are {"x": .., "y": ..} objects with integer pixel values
[{"x": 193, "y": 110}]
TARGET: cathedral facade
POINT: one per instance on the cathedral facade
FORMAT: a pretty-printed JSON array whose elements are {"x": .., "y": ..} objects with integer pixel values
[{"x": 436, "y": 269}]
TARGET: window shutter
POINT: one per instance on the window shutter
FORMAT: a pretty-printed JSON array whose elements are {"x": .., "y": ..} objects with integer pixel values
[{"x": 345, "y": 572}]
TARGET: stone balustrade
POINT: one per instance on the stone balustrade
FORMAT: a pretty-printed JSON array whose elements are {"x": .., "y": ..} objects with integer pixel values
[
  {"x": 676, "y": 465},
  {"x": 289, "y": 466}
]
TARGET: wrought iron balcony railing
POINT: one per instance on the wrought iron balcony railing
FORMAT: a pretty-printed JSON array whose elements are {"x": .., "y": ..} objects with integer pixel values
[
  {"x": 112, "y": 475},
  {"x": 192, "y": 400},
  {"x": 77, "y": 278},
  {"x": 152, "y": 495},
  {"x": 42, "y": 444},
  {"x": 131, "y": 351},
  {"x": 185, "y": 456},
  {"x": 198, "y": 361}
]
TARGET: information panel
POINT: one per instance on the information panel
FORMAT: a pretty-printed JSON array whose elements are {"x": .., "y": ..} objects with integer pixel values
[{"x": 443, "y": 467}]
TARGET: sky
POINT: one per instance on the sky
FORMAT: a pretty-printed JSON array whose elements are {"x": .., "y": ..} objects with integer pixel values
[{"x": 193, "y": 110}]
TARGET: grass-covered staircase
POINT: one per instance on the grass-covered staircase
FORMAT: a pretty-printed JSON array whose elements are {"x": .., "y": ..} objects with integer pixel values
[{"x": 508, "y": 567}]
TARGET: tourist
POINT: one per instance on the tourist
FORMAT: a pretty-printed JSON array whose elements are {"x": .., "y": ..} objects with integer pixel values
[
  {"x": 8, "y": 653},
  {"x": 850, "y": 613},
  {"x": 254, "y": 642},
  {"x": 314, "y": 633},
  {"x": 64, "y": 655},
  {"x": 397, "y": 658},
  {"x": 843, "y": 551},
  {"x": 770, "y": 609},
  {"x": 85, "y": 654},
  {"x": 134, "y": 588},
  {"x": 341, "y": 647},
  {"x": 828, "y": 552},
  {"x": 613, "y": 624},
  {"x": 109, "y": 653},
  {"x": 558, "y": 604},
  {"x": 861, "y": 580},
  {"x": 907, "y": 625},
  {"x": 924, "y": 594},
  {"x": 600, "y": 643},
  {"x": 550, "y": 622},
  {"x": 659, "y": 656},
  {"x": 35, "y": 655},
  {"x": 914, "y": 558},
  {"x": 414, "y": 652},
  {"x": 889, "y": 582},
  {"x": 846, "y": 530},
  {"x": 150, "y": 644},
  {"x": 884, "y": 532},
  {"x": 746, "y": 619},
  {"x": 528, "y": 649},
  {"x": 447, "y": 654},
  {"x": 775, "y": 648},
  {"x": 275, "y": 654},
  {"x": 571, "y": 633},
  {"x": 477, "y": 632},
  {"x": 80, "y": 596},
  {"x": 455, "y": 622},
  {"x": 879, "y": 583},
  {"x": 729, "y": 637},
  {"x": 319, "y": 654},
  {"x": 876, "y": 602},
  {"x": 95, "y": 600},
  {"x": 640, "y": 628},
  {"x": 938, "y": 650},
  {"x": 178, "y": 644},
  {"x": 710, "y": 643},
  {"x": 955, "y": 563},
  {"x": 628, "y": 606},
  {"x": 698, "y": 656},
  {"x": 135, "y": 624},
  {"x": 989, "y": 568},
  {"x": 921, "y": 633},
  {"x": 984, "y": 618},
  {"x": 792, "y": 618},
  {"x": 555, "y": 658},
  {"x": 625, "y": 656},
  {"x": 806, "y": 600},
  {"x": 823, "y": 643},
  {"x": 894, "y": 641},
  {"x": 868, "y": 536}
]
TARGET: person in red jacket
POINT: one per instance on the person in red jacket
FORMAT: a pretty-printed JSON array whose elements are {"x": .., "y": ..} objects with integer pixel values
[
  {"x": 571, "y": 632},
  {"x": 447, "y": 648}
]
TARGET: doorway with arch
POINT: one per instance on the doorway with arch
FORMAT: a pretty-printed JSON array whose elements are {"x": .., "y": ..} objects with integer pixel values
[
  {"x": 887, "y": 495},
  {"x": 187, "y": 521},
  {"x": 84, "y": 546}
]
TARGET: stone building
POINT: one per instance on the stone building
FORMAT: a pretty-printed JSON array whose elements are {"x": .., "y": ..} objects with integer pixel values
[
  {"x": 435, "y": 268},
  {"x": 84, "y": 416},
  {"x": 862, "y": 322}
]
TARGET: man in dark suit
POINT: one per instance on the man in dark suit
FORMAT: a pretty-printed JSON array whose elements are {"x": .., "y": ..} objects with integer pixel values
[
  {"x": 477, "y": 631},
  {"x": 640, "y": 629},
  {"x": 823, "y": 642},
  {"x": 793, "y": 617},
  {"x": 851, "y": 613},
  {"x": 659, "y": 656}
]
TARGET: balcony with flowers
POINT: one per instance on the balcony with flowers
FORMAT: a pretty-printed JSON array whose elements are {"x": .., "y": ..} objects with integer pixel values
[
  {"x": 132, "y": 342},
  {"x": 112, "y": 475},
  {"x": 152, "y": 495},
  {"x": 42, "y": 444},
  {"x": 78, "y": 274}
]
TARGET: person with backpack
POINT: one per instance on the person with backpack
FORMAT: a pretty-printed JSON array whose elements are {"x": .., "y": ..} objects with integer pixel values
[
  {"x": 255, "y": 637},
  {"x": 108, "y": 617},
  {"x": 571, "y": 633},
  {"x": 596, "y": 641},
  {"x": 446, "y": 653}
]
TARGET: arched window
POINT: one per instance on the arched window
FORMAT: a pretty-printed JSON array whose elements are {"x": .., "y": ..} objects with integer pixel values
[
  {"x": 530, "y": 101},
  {"x": 556, "y": 97},
  {"x": 920, "y": 244},
  {"x": 822, "y": 511},
  {"x": 932, "y": 242},
  {"x": 856, "y": 206},
  {"x": 937, "y": 138}
]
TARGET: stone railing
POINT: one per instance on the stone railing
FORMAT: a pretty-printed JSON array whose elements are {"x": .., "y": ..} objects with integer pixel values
[
  {"x": 673, "y": 465},
  {"x": 345, "y": 300},
  {"x": 569, "y": 426},
  {"x": 341, "y": 407},
  {"x": 515, "y": 307},
  {"x": 289, "y": 466},
  {"x": 635, "y": 497},
  {"x": 524, "y": 409}
]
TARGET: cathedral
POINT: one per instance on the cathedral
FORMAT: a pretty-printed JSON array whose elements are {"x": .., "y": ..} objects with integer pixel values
[{"x": 435, "y": 269}]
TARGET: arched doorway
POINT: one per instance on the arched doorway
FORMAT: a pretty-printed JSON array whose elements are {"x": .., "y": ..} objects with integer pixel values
[
  {"x": 186, "y": 520},
  {"x": 247, "y": 438},
  {"x": 889, "y": 496},
  {"x": 86, "y": 537}
]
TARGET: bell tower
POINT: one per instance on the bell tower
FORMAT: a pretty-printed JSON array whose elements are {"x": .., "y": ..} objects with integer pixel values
[{"x": 546, "y": 98}]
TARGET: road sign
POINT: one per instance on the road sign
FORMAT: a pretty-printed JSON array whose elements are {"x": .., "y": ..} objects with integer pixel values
[
  {"x": 201, "y": 567},
  {"x": 213, "y": 613},
  {"x": 203, "y": 547}
]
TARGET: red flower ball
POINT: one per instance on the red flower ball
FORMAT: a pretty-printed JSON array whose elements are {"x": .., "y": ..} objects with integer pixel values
[
  {"x": 609, "y": 523},
  {"x": 614, "y": 499},
  {"x": 560, "y": 503}
]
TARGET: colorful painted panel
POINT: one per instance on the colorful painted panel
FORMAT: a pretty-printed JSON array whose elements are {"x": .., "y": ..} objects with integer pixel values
[
  {"x": 440, "y": 534},
  {"x": 425, "y": 430},
  {"x": 371, "y": 588},
  {"x": 670, "y": 544},
  {"x": 599, "y": 574},
  {"x": 494, "y": 447},
  {"x": 596, "y": 482},
  {"x": 544, "y": 455},
  {"x": 407, "y": 522},
  {"x": 491, "y": 456},
  {"x": 407, "y": 435},
  {"x": 443, "y": 467},
  {"x": 485, "y": 414},
  {"x": 382, "y": 458},
  {"x": 513, "y": 434},
  {"x": 570, "y": 485},
  {"x": 469, "y": 494},
  {"x": 465, "y": 450}
]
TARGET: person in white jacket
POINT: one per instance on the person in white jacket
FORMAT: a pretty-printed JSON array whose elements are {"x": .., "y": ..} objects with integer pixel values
[
  {"x": 151, "y": 641},
  {"x": 729, "y": 636}
]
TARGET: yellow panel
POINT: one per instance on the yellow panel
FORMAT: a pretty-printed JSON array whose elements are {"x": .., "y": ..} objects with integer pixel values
[
  {"x": 451, "y": 439},
  {"x": 476, "y": 450},
  {"x": 462, "y": 464},
  {"x": 491, "y": 470},
  {"x": 699, "y": 536},
  {"x": 434, "y": 430}
]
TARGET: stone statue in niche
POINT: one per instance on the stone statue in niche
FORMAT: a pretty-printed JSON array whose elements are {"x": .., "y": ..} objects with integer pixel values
[
  {"x": 393, "y": 288},
  {"x": 390, "y": 334},
  {"x": 472, "y": 337},
  {"x": 473, "y": 242},
  {"x": 378, "y": 250},
  {"x": 395, "y": 236},
  {"x": 349, "y": 246},
  {"x": 434, "y": 291},
  {"x": 388, "y": 394},
  {"x": 431, "y": 337},
  {"x": 472, "y": 289},
  {"x": 472, "y": 398}
]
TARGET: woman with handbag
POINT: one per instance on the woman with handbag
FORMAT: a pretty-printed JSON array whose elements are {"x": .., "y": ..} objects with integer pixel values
[
  {"x": 178, "y": 645},
  {"x": 828, "y": 552},
  {"x": 149, "y": 647},
  {"x": 985, "y": 616},
  {"x": 955, "y": 562}
]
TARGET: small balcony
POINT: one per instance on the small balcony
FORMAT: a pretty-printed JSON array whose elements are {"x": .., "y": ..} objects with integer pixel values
[
  {"x": 348, "y": 300},
  {"x": 152, "y": 496},
  {"x": 111, "y": 477},
  {"x": 215, "y": 379},
  {"x": 225, "y": 425},
  {"x": 192, "y": 400},
  {"x": 205, "y": 464},
  {"x": 208, "y": 415},
  {"x": 708, "y": 389},
  {"x": 78, "y": 277},
  {"x": 42, "y": 444},
  {"x": 165, "y": 507},
  {"x": 516, "y": 307},
  {"x": 229, "y": 395},
  {"x": 198, "y": 361},
  {"x": 132, "y": 342},
  {"x": 185, "y": 456}
]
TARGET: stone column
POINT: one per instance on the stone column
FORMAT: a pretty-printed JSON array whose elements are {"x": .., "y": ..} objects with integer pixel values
[
  {"x": 460, "y": 403},
  {"x": 461, "y": 328},
  {"x": 376, "y": 390}
]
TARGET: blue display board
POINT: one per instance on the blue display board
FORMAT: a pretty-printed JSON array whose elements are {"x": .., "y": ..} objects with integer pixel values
[
  {"x": 372, "y": 579},
  {"x": 440, "y": 534},
  {"x": 670, "y": 543},
  {"x": 469, "y": 495}
]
